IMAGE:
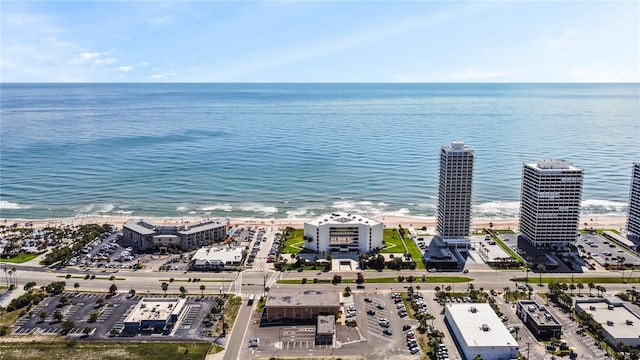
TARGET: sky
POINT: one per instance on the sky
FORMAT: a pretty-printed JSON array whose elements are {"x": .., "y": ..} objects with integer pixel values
[{"x": 319, "y": 41}]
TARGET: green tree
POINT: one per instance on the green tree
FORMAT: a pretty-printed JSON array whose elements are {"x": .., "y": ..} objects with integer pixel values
[
  {"x": 93, "y": 317},
  {"x": 183, "y": 291},
  {"x": 28, "y": 287},
  {"x": 64, "y": 300},
  {"x": 87, "y": 330},
  {"x": 165, "y": 287},
  {"x": 67, "y": 326},
  {"x": 77, "y": 287},
  {"x": 100, "y": 302},
  {"x": 202, "y": 287},
  {"x": 113, "y": 289},
  {"x": 43, "y": 315},
  {"x": 57, "y": 316}
]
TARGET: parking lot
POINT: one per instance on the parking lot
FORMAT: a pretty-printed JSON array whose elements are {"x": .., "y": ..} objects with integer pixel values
[
  {"x": 603, "y": 251},
  {"x": 111, "y": 313}
]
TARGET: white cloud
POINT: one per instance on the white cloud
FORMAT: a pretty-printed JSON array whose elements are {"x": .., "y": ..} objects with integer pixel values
[
  {"x": 124, "y": 68},
  {"x": 106, "y": 61},
  {"x": 89, "y": 55}
]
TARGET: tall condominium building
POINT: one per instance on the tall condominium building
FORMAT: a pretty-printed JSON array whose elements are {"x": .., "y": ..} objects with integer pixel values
[
  {"x": 633, "y": 221},
  {"x": 455, "y": 191},
  {"x": 550, "y": 203}
]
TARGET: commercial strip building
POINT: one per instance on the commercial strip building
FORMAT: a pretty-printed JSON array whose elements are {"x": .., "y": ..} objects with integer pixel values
[
  {"x": 550, "y": 203},
  {"x": 633, "y": 218},
  {"x": 343, "y": 232},
  {"x": 620, "y": 323},
  {"x": 478, "y": 331},
  {"x": 147, "y": 235},
  {"x": 325, "y": 329},
  {"x": 154, "y": 314},
  {"x": 300, "y": 305},
  {"x": 218, "y": 258},
  {"x": 538, "y": 319},
  {"x": 455, "y": 192}
]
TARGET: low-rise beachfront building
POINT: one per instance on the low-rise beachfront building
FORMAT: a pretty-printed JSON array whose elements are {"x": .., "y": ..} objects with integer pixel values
[
  {"x": 620, "y": 323},
  {"x": 155, "y": 315},
  {"x": 538, "y": 319},
  {"x": 633, "y": 218},
  {"x": 147, "y": 235},
  {"x": 343, "y": 232},
  {"x": 478, "y": 331},
  {"x": 218, "y": 258},
  {"x": 296, "y": 306}
]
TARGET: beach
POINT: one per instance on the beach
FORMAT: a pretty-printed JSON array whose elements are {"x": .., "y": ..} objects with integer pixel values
[{"x": 392, "y": 221}]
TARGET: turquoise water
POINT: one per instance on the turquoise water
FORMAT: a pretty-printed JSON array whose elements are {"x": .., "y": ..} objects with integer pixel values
[{"x": 297, "y": 150}]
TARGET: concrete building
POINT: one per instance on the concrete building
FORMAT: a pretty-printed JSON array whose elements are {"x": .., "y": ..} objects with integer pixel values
[
  {"x": 550, "y": 203},
  {"x": 455, "y": 191},
  {"x": 538, "y": 319},
  {"x": 477, "y": 330},
  {"x": 343, "y": 232},
  {"x": 155, "y": 314},
  {"x": 218, "y": 258},
  {"x": 633, "y": 219},
  {"x": 620, "y": 323},
  {"x": 147, "y": 235},
  {"x": 325, "y": 329},
  {"x": 300, "y": 305}
]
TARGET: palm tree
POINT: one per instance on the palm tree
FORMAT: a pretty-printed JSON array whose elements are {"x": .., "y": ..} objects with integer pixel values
[
  {"x": 541, "y": 269},
  {"x": 164, "y": 287},
  {"x": 580, "y": 287},
  {"x": 183, "y": 291},
  {"x": 591, "y": 286},
  {"x": 77, "y": 287},
  {"x": 202, "y": 287},
  {"x": 5, "y": 275},
  {"x": 15, "y": 276}
]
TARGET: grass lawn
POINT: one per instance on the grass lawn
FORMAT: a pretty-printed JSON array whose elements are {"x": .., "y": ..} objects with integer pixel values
[
  {"x": 230, "y": 313},
  {"x": 9, "y": 318},
  {"x": 385, "y": 280},
  {"x": 104, "y": 350},
  {"x": 534, "y": 280},
  {"x": 294, "y": 243},
  {"x": 507, "y": 249},
  {"x": 392, "y": 242},
  {"x": 20, "y": 258}
]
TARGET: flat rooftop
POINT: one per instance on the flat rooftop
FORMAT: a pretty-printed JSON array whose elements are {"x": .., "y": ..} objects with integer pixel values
[
  {"x": 613, "y": 317},
  {"x": 155, "y": 309},
  {"x": 302, "y": 298},
  {"x": 140, "y": 226},
  {"x": 337, "y": 218},
  {"x": 539, "y": 313},
  {"x": 553, "y": 165},
  {"x": 326, "y": 324},
  {"x": 216, "y": 253},
  {"x": 479, "y": 325},
  {"x": 149, "y": 228}
]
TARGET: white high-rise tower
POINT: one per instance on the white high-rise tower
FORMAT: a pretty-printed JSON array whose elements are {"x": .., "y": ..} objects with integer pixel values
[
  {"x": 550, "y": 203},
  {"x": 455, "y": 191},
  {"x": 633, "y": 219}
]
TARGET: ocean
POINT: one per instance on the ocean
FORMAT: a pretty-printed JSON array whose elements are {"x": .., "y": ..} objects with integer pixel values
[{"x": 300, "y": 150}]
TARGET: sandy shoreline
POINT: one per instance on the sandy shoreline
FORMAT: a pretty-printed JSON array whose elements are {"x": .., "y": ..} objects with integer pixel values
[{"x": 608, "y": 222}]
